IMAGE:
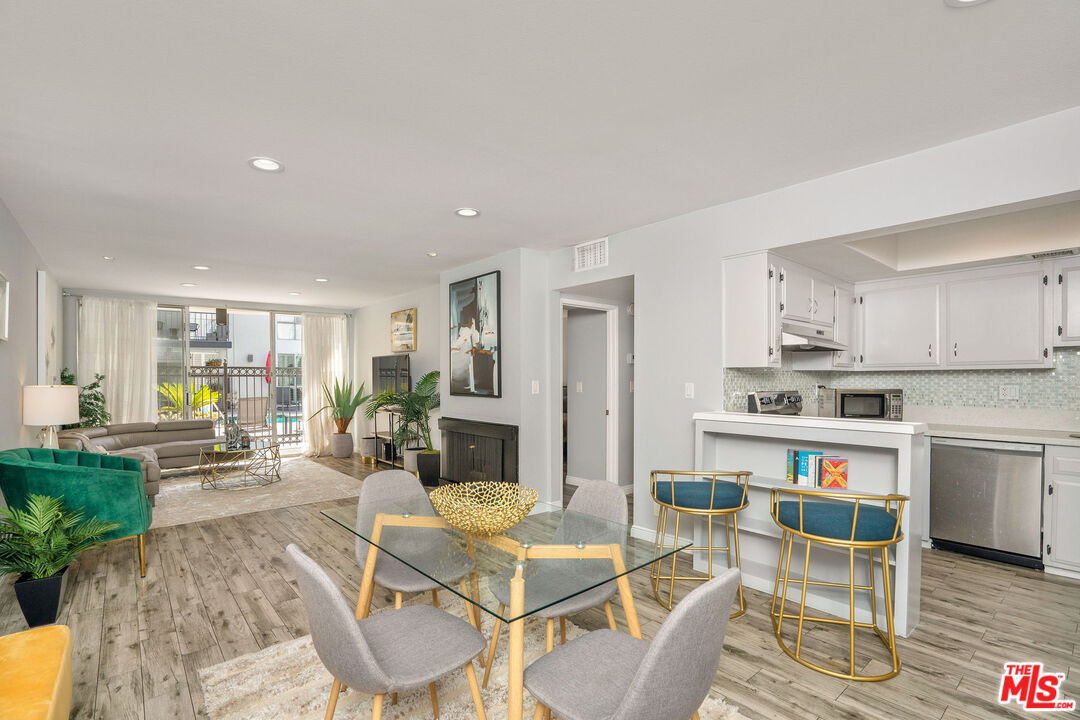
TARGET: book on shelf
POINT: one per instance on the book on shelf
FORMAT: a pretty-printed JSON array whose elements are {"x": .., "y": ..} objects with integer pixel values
[
  {"x": 807, "y": 467},
  {"x": 810, "y": 468},
  {"x": 833, "y": 472}
]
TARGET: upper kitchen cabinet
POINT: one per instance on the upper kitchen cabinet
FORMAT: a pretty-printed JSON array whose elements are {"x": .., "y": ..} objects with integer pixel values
[
  {"x": 845, "y": 328},
  {"x": 899, "y": 326},
  {"x": 807, "y": 296},
  {"x": 999, "y": 318},
  {"x": 751, "y": 312},
  {"x": 1067, "y": 301}
]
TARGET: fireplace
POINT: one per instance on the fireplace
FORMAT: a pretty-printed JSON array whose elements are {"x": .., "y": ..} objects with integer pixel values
[{"x": 474, "y": 451}]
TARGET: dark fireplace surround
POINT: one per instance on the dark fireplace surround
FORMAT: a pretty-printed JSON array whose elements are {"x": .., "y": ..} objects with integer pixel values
[{"x": 473, "y": 451}]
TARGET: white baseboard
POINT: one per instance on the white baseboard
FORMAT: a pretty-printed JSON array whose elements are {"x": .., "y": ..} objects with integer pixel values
[
  {"x": 1061, "y": 572},
  {"x": 572, "y": 480}
]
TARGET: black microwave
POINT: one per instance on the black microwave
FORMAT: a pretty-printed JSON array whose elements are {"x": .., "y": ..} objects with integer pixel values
[{"x": 869, "y": 404}]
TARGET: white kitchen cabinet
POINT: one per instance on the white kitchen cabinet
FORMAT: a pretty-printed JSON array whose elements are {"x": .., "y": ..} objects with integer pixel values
[
  {"x": 998, "y": 319},
  {"x": 1067, "y": 302},
  {"x": 824, "y": 301},
  {"x": 1061, "y": 508},
  {"x": 845, "y": 328},
  {"x": 807, "y": 296},
  {"x": 899, "y": 326},
  {"x": 751, "y": 308}
]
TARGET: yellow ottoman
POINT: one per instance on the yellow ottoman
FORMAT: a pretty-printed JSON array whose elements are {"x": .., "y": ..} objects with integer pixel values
[{"x": 35, "y": 674}]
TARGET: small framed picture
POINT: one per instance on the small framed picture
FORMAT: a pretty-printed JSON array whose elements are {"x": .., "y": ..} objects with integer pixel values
[
  {"x": 5, "y": 301},
  {"x": 403, "y": 330}
]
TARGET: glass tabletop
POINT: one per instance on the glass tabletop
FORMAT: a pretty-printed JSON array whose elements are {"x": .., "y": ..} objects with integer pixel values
[
  {"x": 417, "y": 540},
  {"x": 222, "y": 447}
]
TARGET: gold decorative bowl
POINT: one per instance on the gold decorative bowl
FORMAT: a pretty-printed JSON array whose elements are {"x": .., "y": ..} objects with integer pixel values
[{"x": 483, "y": 508}]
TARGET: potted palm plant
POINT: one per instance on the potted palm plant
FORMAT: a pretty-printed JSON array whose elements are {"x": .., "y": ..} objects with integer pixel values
[
  {"x": 414, "y": 424},
  {"x": 39, "y": 543},
  {"x": 342, "y": 402}
]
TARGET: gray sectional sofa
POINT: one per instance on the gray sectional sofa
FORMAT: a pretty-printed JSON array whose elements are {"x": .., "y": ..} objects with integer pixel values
[{"x": 168, "y": 444}]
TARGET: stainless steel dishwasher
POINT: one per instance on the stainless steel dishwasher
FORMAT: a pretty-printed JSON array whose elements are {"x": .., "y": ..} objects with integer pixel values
[{"x": 986, "y": 499}]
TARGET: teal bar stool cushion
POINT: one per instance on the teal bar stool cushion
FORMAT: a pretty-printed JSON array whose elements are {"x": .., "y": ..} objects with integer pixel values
[
  {"x": 695, "y": 494},
  {"x": 833, "y": 520}
]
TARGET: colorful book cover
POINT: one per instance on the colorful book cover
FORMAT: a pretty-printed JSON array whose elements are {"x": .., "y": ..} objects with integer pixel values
[
  {"x": 834, "y": 471},
  {"x": 805, "y": 460},
  {"x": 792, "y": 465}
]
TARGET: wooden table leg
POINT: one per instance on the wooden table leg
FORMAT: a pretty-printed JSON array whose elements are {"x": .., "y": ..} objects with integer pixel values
[
  {"x": 515, "y": 685},
  {"x": 625, "y": 595},
  {"x": 367, "y": 583}
]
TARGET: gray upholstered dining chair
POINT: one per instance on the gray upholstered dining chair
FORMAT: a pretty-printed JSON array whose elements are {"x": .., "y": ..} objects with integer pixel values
[
  {"x": 592, "y": 499},
  {"x": 431, "y": 544},
  {"x": 608, "y": 675},
  {"x": 391, "y": 652}
]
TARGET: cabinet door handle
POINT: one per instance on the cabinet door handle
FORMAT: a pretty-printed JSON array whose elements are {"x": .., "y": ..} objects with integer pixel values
[
  {"x": 955, "y": 349},
  {"x": 930, "y": 350}
]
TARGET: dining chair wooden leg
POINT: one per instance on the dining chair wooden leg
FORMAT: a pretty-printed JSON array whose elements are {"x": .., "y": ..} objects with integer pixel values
[
  {"x": 376, "y": 708},
  {"x": 539, "y": 714},
  {"x": 335, "y": 690},
  {"x": 562, "y": 629},
  {"x": 393, "y": 699},
  {"x": 142, "y": 555},
  {"x": 434, "y": 700},
  {"x": 474, "y": 688},
  {"x": 610, "y": 615},
  {"x": 549, "y": 642},
  {"x": 695, "y": 716},
  {"x": 434, "y": 598},
  {"x": 494, "y": 644},
  {"x": 397, "y": 601}
]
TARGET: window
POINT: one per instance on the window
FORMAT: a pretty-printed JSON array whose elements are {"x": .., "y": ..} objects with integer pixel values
[{"x": 290, "y": 327}]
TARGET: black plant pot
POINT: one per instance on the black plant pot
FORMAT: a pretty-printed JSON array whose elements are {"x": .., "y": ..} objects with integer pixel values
[
  {"x": 40, "y": 599},
  {"x": 428, "y": 466}
]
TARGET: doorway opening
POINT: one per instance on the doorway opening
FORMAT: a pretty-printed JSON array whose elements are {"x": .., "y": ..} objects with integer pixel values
[{"x": 597, "y": 384}]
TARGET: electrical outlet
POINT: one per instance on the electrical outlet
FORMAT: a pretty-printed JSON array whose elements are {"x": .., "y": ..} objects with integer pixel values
[
  {"x": 1008, "y": 392},
  {"x": 535, "y": 387},
  {"x": 688, "y": 391},
  {"x": 577, "y": 386}
]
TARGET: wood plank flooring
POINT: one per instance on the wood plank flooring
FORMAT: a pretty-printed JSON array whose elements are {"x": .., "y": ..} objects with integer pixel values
[{"x": 221, "y": 588}]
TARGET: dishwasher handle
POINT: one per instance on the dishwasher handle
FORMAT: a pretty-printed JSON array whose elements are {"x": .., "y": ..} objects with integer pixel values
[{"x": 1013, "y": 447}]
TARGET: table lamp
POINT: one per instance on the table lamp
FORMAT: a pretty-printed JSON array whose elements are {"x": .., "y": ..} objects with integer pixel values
[{"x": 47, "y": 406}]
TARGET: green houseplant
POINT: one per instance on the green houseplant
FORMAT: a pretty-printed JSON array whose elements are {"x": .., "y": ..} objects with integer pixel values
[
  {"x": 171, "y": 401},
  {"x": 342, "y": 402},
  {"x": 414, "y": 423},
  {"x": 92, "y": 411},
  {"x": 38, "y": 543}
]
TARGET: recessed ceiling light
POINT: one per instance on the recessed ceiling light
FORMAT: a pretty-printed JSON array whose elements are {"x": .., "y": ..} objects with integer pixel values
[
  {"x": 200, "y": 267},
  {"x": 467, "y": 212},
  {"x": 322, "y": 279},
  {"x": 433, "y": 254},
  {"x": 294, "y": 293},
  {"x": 963, "y": 3},
  {"x": 107, "y": 258},
  {"x": 266, "y": 164},
  {"x": 187, "y": 284}
]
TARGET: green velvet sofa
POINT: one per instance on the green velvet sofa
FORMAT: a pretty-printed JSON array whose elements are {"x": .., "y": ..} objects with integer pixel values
[{"x": 109, "y": 487}]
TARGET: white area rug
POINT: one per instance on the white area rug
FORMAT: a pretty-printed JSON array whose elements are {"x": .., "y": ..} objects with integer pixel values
[
  {"x": 288, "y": 681},
  {"x": 181, "y": 500}
]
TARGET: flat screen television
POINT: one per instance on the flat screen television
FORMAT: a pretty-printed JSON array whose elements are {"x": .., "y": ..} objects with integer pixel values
[{"x": 390, "y": 372}]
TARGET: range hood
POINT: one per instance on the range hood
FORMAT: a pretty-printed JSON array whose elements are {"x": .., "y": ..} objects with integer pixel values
[{"x": 802, "y": 338}]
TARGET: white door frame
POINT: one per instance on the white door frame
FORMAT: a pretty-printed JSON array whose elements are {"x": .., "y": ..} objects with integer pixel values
[{"x": 611, "y": 313}]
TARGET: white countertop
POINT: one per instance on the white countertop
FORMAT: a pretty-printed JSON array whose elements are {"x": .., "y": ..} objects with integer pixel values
[
  {"x": 1021, "y": 435},
  {"x": 822, "y": 423}
]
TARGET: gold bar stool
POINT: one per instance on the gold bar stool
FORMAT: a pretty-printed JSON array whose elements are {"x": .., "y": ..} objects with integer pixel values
[
  {"x": 711, "y": 497},
  {"x": 851, "y": 526}
]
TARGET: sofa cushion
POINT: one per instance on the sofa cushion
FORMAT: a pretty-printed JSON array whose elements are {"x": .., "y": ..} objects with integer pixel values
[
  {"x": 75, "y": 440},
  {"x": 180, "y": 448},
  {"x": 174, "y": 425},
  {"x": 130, "y": 428}
]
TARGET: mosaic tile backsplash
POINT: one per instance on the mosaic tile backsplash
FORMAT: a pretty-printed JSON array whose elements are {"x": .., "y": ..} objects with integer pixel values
[{"x": 1056, "y": 389}]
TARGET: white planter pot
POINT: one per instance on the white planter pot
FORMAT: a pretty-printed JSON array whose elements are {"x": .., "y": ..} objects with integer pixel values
[
  {"x": 409, "y": 457},
  {"x": 341, "y": 445}
]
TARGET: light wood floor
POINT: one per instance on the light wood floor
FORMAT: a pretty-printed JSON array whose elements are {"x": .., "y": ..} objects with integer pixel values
[{"x": 221, "y": 588}]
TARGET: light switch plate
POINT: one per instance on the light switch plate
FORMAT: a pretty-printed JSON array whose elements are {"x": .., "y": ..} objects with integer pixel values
[
  {"x": 535, "y": 387},
  {"x": 577, "y": 386},
  {"x": 1008, "y": 392},
  {"x": 688, "y": 391}
]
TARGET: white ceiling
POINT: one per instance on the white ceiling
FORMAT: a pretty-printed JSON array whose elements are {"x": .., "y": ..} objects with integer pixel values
[{"x": 125, "y": 127}]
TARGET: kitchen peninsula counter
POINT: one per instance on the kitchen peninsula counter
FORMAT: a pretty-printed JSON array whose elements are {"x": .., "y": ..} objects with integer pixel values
[{"x": 883, "y": 457}]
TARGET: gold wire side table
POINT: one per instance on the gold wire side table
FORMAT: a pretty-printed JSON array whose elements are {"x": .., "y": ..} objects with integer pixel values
[{"x": 224, "y": 468}]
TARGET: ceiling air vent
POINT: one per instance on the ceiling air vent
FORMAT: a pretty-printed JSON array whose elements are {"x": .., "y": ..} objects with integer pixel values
[
  {"x": 1053, "y": 254},
  {"x": 592, "y": 254}
]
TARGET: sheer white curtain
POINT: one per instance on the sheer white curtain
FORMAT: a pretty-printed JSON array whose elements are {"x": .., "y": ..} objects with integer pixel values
[
  {"x": 116, "y": 339},
  {"x": 325, "y": 348}
]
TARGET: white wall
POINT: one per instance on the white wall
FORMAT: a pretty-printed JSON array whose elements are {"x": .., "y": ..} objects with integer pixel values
[
  {"x": 19, "y": 262},
  {"x": 586, "y": 379},
  {"x": 50, "y": 329},
  {"x": 373, "y": 339}
]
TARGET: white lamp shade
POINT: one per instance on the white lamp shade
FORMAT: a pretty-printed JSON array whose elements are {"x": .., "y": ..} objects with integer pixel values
[{"x": 50, "y": 405}]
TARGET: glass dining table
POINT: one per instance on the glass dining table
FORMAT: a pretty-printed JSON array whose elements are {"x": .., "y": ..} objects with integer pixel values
[{"x": 551, "y": 556}]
